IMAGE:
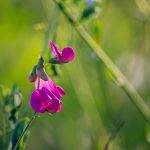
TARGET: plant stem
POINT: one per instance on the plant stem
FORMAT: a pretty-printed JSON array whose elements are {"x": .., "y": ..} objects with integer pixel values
[
  {"x": 25, "y": 130},
  {"x": 28, "y": 125},
  {"x": 113, "y": 134},
  {"x": 118, "y": 77}
]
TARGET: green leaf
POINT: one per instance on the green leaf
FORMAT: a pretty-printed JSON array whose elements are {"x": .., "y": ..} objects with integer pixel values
[
  {"x": 24, "y": 141},
  {"x": 20, "y": 127}
]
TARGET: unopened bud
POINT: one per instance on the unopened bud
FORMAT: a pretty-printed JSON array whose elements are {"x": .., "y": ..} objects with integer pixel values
[
  {"x": 32, "y": 75},
  {"x": 40, "y": 63},
  {"x": 42, "y": 74}
]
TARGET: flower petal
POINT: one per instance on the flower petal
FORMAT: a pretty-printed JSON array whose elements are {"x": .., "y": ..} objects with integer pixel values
[
  {"x": 47, "y": 95},
  {"x": 54, "y": 89},
  {"x": 55, "y": 49},
  {"x": 67, "y": 54},
  {"x": 54, "y": 106},
  {"x": 36, "y": 101},
  {"x": 42, "y": 84},
  {"x": 60, "y": 105},
  {"x": 50, "y": 86},
  {"x": 61, "y": 90}
]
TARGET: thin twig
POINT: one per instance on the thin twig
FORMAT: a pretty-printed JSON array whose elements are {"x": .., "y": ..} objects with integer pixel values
[
  {"x": 118, "y": 76},
  {"x": 114, "y": 134}
]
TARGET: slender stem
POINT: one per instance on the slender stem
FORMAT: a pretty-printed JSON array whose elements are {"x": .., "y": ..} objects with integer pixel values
[
  {"x": 25, "y": 130},
  {"x": 118, "y": 76},
  {"x": 28, "y": 125},
  {"x": 113, "y": 135},
  {"x": 38, "y": 83},
  {"x": 50, "y": 25}
]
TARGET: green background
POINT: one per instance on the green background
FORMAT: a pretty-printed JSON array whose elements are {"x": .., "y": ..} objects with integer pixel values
[{"x": 93, "y": 105}]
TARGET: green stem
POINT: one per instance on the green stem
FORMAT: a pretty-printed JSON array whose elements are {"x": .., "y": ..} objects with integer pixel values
[
  {"x": 119, "y": 78},
  {"x": 28, "y": 125},
  {"x": 24, "y": 131},
  {"x": 113, "y": 135}
]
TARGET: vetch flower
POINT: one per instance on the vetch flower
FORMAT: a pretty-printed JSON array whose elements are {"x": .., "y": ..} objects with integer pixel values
[
  {"x": 46, "y": 97},
  {"x": 61, "y": 57}
]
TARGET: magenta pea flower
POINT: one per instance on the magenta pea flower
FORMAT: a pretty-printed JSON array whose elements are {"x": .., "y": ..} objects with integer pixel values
[
  {"x": 61, "y": 57},
  {"x": 46, "y": 97}
]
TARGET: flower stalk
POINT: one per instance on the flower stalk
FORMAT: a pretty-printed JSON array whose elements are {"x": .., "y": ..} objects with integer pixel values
[{"x": 117, "y": 75}]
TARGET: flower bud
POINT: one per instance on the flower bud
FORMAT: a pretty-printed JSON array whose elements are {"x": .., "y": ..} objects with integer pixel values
[
  {"x": 42, "y": 74},
  {"x": 40, "y": 63},
  {"x": 32, "y": 75}
]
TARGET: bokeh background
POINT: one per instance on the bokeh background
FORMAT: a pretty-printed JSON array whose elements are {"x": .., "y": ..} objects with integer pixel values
[{"x": 94, "y": 105}]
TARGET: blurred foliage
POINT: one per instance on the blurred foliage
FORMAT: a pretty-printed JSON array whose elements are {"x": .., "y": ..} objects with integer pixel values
[
  {"x": 11, "y": 100},
  {"x": 93, "y": 104},
  {"x": 20, "y": 127}
]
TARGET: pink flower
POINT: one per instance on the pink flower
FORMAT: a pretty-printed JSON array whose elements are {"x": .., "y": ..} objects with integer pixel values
[
  {"x": 64, "y": 56},
  {"x": 46, "y": 97}
]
